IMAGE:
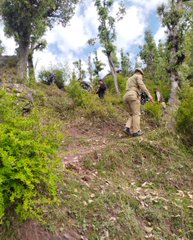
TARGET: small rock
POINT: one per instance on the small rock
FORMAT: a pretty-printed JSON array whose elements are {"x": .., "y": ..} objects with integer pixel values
[
  {"x": 92, "y": 195},
  {"x": 148, "y": 229}
]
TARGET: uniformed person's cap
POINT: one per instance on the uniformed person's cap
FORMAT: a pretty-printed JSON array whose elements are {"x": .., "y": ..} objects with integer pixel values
[{"x": 139, "y": 70}]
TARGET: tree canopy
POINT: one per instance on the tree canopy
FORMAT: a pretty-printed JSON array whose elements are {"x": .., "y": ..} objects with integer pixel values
[
  {"x": 107, "y": 33},
  {"x": 27, "y": 21}
]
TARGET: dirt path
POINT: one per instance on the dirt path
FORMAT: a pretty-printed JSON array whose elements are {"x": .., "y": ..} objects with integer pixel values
[
  {"x": 96, "y": 144},
  {"x": 87, "y": 141}
]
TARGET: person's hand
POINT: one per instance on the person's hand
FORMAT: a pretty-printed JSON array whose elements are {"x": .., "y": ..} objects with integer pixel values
[{"x": 151, "y": 99}]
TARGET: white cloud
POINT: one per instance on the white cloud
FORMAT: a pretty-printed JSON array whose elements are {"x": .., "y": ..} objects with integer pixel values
[
  {"x": 131, "y": 28},
  {"x": 148, "y": 5},
  {"x": 74, "y": 37},
  {"x": 160, "y": 35},
  {"x": 9, "y": 43}
]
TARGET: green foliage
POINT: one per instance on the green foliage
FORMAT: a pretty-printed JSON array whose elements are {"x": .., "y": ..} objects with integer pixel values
[
  {"x": 174, "y": 18},
  {"x": 43, "y": 76},
  {"x": 155, "y": 59},
  {"x": 107, "y": 33},
  {"x": 98, "y": 65},
  {"x": 78, "y": 94},
  {"x": 164, "y": 87},
  {"x": 187, "y": 67},
  {"x": 27, "y": 22},
  {"x": 121, "y": 82},
  {"x": 154, "y": 111},
  {"x": 78, "y": 67},
  {"x": 1, "y": 48},
  {"x": 184, "y": 116},
  {"x": 28, "y": 168},
  {"x": 33, "y": 18},
  {"x": 90, "y": 103},
  {"x": 148, "y": 52},
  {"x": 125, "y": 63},
  {"x": 59, "y": 79}
]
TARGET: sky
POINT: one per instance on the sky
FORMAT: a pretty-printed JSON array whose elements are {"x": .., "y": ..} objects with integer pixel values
[{"x": 65, "y": 45}]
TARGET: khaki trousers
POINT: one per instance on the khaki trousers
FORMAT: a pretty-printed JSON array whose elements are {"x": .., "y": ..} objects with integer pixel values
[{"x": 133, "y": 104}]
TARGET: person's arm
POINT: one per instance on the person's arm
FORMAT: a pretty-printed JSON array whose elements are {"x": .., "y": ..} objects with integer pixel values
[{"x": 143, "y": 88}]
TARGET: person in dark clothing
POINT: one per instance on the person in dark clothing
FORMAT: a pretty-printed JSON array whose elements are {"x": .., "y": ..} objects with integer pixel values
[
  {"x": 51, "y": 78},
  {"x": 101, "y": 89}
]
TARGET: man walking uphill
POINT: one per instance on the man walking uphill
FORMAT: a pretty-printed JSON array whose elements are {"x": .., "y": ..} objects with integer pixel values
[{"x": 134, "y": 86}]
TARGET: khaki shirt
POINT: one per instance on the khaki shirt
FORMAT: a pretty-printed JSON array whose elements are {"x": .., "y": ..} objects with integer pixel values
[{"x": 136, "y": 84}]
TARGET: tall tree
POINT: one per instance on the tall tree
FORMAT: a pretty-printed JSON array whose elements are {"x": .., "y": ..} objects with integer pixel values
[
  {"x": 90, "y": 69},
  {"x": 27, "y": 19},
  {"x": 34, "y": 46},
  {"x": 154, "y": 57},
  {"x": 148, "y": 52},
  {"x": 107, "y": 33},
  {"x": 173, "y": 17},
  {"x": 125, "y": 63},
  {"x": 98, "y": 65},
  {"x": 187, "y": 67},
  {"x": 80, "y": 71},
  {"x": 161, "y": 64}
]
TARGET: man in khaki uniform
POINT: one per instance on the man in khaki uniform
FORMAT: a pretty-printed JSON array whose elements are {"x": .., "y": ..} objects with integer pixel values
[{"x": 134, "y": 86}]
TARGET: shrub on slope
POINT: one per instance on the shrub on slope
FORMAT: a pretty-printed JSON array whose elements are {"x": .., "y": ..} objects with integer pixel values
[{"x": 28, "y": 170}]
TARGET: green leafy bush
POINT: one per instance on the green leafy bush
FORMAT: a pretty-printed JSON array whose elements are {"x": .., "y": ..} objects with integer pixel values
[
  {"x": 28, "y": 168},
  {"x": 59, "y": 79},
  {"x": 43, "y": 76},
  {"x": 80, "y": 96},
  {"x": 90, "y": 102},
  {"x": 121, "y": 83},
  {"x": 184, "y": 116},
  {"x": 154, "y": 111}
]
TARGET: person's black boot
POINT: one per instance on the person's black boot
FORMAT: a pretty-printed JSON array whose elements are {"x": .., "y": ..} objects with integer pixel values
[
  {"x": 126, "y": 130},
  {"x": 138, "y": 134}
]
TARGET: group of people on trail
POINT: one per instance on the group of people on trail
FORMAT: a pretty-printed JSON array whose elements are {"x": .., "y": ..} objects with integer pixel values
[
  {"x": 136, "y": 94},
  {"x": 101, "y": 89}
]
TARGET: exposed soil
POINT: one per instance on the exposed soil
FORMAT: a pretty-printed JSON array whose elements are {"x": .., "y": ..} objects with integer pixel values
[
  {"x": 31, "y": 230},
  {"x": 95, "y": 138}
]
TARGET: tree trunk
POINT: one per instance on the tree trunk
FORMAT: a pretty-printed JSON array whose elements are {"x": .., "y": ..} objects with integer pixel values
[
  {"x": 114, "y": 73},
  {"x": 173, "y": 100},
  {"x": 31, "y": 66},
  {"x": 23, "y": 50},
  {"x": 173, "y": 34}
]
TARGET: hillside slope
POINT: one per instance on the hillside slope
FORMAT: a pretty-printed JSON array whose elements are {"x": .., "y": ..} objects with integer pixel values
[{"x": 114, "y": 187}]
